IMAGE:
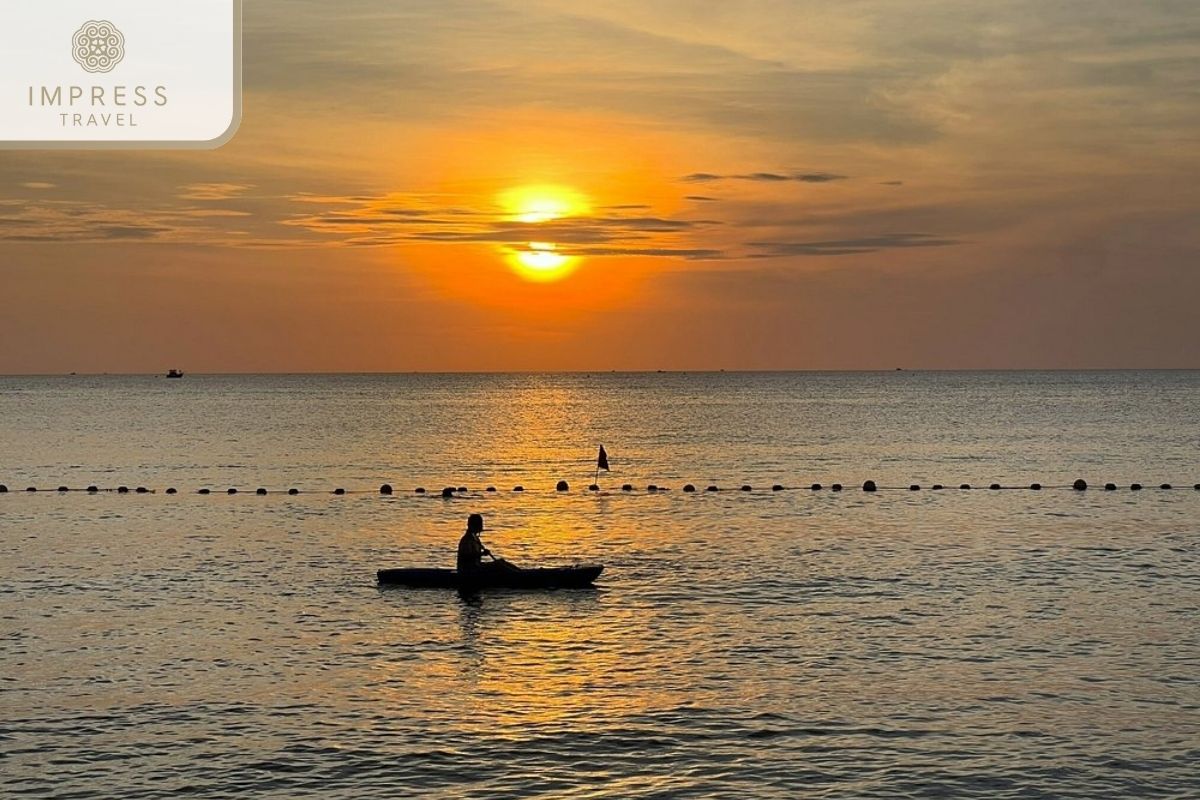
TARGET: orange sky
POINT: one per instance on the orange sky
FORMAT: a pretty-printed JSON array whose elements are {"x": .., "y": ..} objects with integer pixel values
[{"x": 756, "y": 184}]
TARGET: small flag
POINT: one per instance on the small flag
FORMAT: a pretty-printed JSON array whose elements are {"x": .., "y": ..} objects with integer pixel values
[{"x": 602, "y": 460}]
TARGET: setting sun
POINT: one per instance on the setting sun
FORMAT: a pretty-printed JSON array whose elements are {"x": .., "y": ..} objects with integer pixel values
[
  {"x": 541, "y": 261},
  {"x": 544, "y": 203},
  {"x": 533, "y": 205}
]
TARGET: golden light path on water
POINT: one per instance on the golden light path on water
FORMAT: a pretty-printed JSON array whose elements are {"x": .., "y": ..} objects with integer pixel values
[{"x": 541, "y": 261}]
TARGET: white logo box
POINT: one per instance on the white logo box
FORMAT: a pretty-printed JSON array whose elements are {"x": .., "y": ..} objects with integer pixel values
[{"x": 87, "y": 74}]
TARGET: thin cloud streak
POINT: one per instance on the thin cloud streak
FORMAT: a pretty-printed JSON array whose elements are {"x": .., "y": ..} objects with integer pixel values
[
  {"x": 851, "y": 247},
  {"x": 765, "y": 177},
  {"x": 396, "y": 220}
]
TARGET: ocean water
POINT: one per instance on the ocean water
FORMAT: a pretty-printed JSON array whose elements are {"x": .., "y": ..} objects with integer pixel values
[{"x": 772, "y": 644}]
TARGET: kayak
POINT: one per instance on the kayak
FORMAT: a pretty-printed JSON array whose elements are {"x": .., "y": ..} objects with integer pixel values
[{"x": 575, "y": 577}]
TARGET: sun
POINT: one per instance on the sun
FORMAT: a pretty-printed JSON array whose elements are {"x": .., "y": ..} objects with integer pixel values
[
  {"x": 543, "y": 203},
  {"x": 541, "y": 261}
]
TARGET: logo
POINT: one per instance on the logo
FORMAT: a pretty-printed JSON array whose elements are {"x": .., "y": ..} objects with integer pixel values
[
  {"x": 98, "y": 46},
  {"x": 169, "y": 77}
]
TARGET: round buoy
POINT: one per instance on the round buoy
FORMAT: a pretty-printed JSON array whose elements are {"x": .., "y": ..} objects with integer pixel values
[
  {"x": 816, "y": 487},
  {"x": 1165, "y": 486},
  {"x": 687, "y": 487},
  {"x": 627, "y": 487},
  {"x": 261, "y": 491},
  {"x": 93, "y": 489},
  {"x": 448, "y": 492},
  {"x": 518, "y": 488},
  {"x": 1037, "y": 487},
  {"x": 1110, "y": 487},
  {"x": 777, "y": 487},
  {"x": 1135, "y": 487},
  {"x": 916, "y": 487},
  {"x": 837, "y": 487},
  {"x": 562, "y": 486},
  {"x": 937, "y": 487},
  {"x": 204, "y": 491},
  {"x": 171, "y": 490},
  {"x": 462, "y": 489},
  {"x": 747, "y": 488},
  {"x": 142, "y": 490},
  {"x": 122, "y": 490},
  {"x": 232, "y": 490},
  {"x": 420, "y": 490},
  {"x": 965, "y": 486},
  {"x": 490, "y": 489},
  {"x": 4, "y": 489},
  {"x": 869, "y": 486},
  {"x": 339, "y": 491},
  {"x": 31, "y": 488},
  {"x": 712, "y": 489},
  {"x": 385, "y": 489},
  {"x": 593, "y": 487},
  {"x": 652, "y": 488},
  {"x": 293, "y": 491},
  {"x": 63, "y": 489},
  {"x": 1080, "y": 485}
]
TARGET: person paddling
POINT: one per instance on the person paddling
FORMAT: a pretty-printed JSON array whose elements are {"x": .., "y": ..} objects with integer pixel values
[{"x": 471, "y": 550}]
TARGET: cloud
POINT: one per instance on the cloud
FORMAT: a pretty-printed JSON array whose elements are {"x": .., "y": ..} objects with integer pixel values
[
  {"x": 696, "y": 254},
  {"x": 130, "y": 231},
  {"x": 399, "y": 219},
  {"x": 74, "y": 221},
  {"x": 461, "y": 59},
  {"x": 847, "y": 247},
  {"x": 765, "y": 177},
  {"x": 212, "y": 191},
  {"x": 324, "y": 199}
]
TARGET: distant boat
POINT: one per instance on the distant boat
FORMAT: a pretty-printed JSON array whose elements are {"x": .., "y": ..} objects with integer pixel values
[{"x": 174, "y": 374}]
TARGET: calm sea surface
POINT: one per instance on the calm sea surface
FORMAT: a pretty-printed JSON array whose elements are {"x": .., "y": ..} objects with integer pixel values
[{"x": 765, "y": 644}]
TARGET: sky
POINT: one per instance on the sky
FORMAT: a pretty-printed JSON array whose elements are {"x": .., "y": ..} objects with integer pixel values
[{"x": 620, "y": 184}]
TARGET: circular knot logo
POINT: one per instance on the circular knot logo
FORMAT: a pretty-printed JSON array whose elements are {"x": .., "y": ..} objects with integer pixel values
[{"x": 98, "y": 46}]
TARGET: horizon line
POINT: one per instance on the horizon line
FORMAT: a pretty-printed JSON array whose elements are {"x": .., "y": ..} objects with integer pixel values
[{"x": 664, "y": 371}]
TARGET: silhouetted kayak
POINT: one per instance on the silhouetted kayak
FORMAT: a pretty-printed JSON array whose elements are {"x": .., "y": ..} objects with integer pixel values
[{"x": 554, "y": 578}]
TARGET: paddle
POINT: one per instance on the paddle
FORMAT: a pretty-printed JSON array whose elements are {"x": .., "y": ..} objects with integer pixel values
[
  {"x": 500, "y": 561},
  {"x": 488, "y": 553}
]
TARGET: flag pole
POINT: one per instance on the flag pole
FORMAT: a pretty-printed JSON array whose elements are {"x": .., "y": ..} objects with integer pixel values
[{"x": 601, "y": 463}]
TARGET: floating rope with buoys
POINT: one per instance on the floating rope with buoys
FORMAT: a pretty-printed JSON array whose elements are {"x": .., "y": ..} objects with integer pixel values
[{"x": 562, "y": 487}]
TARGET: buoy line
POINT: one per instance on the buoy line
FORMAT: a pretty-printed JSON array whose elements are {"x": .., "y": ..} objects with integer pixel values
[{"x": 562, "y": 487}]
